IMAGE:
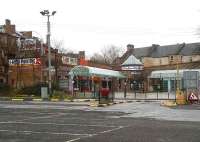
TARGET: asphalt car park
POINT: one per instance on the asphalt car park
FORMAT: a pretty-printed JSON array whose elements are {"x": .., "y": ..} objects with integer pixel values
[{"x": 76, "y": 122}]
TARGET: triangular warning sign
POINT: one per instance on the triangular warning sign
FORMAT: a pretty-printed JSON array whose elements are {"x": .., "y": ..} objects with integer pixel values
[{"x": 193, "y": 96}]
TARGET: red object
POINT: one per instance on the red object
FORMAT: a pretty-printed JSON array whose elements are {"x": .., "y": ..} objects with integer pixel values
[
  {"x": 105, "y": 91},
  {"x": 38, "y": 61},
  {"x": 83, "y": 61}
]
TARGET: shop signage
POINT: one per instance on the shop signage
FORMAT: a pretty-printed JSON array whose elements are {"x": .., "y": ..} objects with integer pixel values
[
  {"x": 132, "y": 68},
  {"x": 25, "y": 61}
]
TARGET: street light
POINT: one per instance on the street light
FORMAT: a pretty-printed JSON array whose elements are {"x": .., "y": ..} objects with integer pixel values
[{"x": 48, "y": 14}]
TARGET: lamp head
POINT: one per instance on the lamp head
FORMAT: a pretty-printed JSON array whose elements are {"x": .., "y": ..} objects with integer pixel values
[
  {"x": 54, "y": 12},
  {"x": 42, "y": 12},
  {"x": 45, "y": 12}
]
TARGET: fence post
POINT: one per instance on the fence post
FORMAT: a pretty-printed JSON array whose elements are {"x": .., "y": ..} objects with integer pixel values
[
  {"x": 135, "y": 94},
  {"x": 125, "y": 90},
  {"x": 168, "y": 95},
  {"x": 157, "y": 94}
]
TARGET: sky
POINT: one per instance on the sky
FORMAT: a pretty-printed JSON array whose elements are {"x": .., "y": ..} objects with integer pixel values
[{"x": 92, "y": 25}]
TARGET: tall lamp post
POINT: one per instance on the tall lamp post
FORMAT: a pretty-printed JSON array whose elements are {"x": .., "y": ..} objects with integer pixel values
[{"x": 48, "y": 14}]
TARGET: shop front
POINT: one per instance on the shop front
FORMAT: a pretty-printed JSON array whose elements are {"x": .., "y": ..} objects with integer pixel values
[{"x": 87, "y": 82}]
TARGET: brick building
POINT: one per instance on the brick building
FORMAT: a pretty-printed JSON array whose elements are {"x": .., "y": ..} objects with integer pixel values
[
  {"x": 30, "y": 65},
  {"x": 8, "y": 47}
]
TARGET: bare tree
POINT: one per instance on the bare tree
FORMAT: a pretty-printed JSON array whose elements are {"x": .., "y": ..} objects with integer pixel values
[
  {"x": 59, "y": 44},
  {"x": 110, "y": 53},
  {"x": 97, "y": 58},
  {"x": 107, "y": 55}
]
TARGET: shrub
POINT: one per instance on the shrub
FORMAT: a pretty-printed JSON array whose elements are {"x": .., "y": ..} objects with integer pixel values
[
  {"x": 5, "y": 90},
  {"x": 31, "y": 90}
]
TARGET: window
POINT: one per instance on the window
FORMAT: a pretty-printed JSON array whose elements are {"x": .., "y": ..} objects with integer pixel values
[
  {"x": 67, "y": 59},
  {"x": 171, "y": 58},
  {"x": 1, "y": 70},
  {"x": 181, "y": 58},
  {"x": 73, "y": 61},
  {"x": 2, "y": 54}
]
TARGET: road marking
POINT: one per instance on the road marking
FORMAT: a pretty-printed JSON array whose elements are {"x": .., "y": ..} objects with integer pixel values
[
  {"x": 41, "y": 117},
  {"x": 58, "y": 124},
  {"x": 53, "y": 133},
  {"x": 111, "y": 130},
  {"x": 73, "y": 140},
  {"x": 91, "y": 135}
]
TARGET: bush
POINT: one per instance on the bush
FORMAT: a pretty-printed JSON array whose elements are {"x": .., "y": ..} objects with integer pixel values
[
  {"x": 31, "y": 90},
  {"x": 61, "y": 95},
  {"x": 5, "y": 90}
]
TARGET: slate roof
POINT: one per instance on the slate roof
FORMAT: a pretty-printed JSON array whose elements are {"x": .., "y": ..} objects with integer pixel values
[
  {"x": 167, "y": 50},
  {"x": 176, "y": 49},
  {"x": 157, "y": 51},
  {"x": 189, "y": 49},
  {"x": 131, "y": 61}
]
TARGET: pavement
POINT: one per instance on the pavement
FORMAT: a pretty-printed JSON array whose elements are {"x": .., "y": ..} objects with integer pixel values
[{"x": 78, "y": 122}]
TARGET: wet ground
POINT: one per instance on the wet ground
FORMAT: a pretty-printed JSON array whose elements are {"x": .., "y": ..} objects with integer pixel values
[{"x": 77, "y": 122}]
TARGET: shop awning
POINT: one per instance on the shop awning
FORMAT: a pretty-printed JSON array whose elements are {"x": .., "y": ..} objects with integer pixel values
[
  {"x": 92, "y": 71},
  {"x": 169, "y": 73}
]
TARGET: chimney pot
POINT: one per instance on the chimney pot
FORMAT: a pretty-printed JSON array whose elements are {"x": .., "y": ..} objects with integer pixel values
[{"x": 8, "y": 22}]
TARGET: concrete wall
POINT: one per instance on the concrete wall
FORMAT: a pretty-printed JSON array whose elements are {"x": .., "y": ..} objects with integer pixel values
[
  {"x": 195, "y": 58},
  {"x": 186, "y": 59},
  {"x": 149, "y": 62}
]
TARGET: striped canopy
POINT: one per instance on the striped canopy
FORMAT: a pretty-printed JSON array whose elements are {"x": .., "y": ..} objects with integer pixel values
[{"x": 92, "y": 71}]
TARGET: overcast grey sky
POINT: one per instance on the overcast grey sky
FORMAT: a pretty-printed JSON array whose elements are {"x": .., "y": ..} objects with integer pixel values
[{"x": 93, "y": 24}]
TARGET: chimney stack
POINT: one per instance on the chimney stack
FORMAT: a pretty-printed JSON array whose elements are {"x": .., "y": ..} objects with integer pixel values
[
  {"x": 130, "y": 47},
  {"x": 7, "y": 22}
]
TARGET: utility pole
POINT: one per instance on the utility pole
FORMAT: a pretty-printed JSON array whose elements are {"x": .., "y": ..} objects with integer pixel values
[{"x": 48, "y": 14}]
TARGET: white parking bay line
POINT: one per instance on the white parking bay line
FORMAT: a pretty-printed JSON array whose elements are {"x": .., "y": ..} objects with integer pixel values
[
  {"x": 59, "y": 124},
  {"x": 103, "y": 132},
  {"x": 73, "y": 140},
  {"x": 52, "y": 133}
]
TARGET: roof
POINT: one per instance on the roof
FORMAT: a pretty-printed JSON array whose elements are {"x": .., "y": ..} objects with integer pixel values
[
  {"x": 157, "y": 51},
  {"x": 132, "y": 60},
  {"x": 92, "y": 71}
]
